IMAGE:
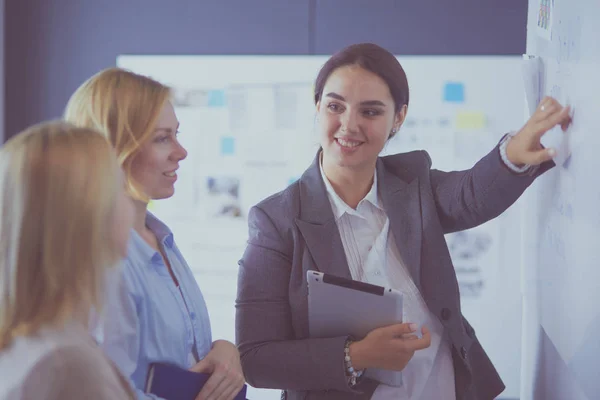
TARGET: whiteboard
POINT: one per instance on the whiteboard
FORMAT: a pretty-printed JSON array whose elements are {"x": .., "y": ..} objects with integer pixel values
[
  {"x": 561, "y": 219},
  {"x": 248, "y": 125}
]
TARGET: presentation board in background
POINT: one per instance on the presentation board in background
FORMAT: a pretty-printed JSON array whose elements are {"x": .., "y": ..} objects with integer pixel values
[
  {"x": 248, "y": 125},
  {"x": 561, "y": 218}
]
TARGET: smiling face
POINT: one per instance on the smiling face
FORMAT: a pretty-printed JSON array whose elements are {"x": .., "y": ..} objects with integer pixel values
[
  {"x": 356, "y": 116},
  {"x": 154, "y": 166}
]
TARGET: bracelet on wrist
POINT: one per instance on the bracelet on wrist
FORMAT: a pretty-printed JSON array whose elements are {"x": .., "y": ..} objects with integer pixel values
[
  {"x": 351, "y": 372},
  {"x": 504, "y": 157}
]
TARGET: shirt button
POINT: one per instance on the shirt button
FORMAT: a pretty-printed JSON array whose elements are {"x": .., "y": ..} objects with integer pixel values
[
  {"x": 377, "y": 273},
  {"x": 446, "y": 314}
]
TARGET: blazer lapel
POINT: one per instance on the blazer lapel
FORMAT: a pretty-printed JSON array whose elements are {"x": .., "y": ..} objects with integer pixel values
[
  {"x": 317, "y": 225},
  {"x": 402, "y": 204}
]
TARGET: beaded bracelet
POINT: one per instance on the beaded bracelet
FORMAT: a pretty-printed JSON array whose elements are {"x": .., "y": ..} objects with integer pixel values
[{"x": 350, "y": 371}]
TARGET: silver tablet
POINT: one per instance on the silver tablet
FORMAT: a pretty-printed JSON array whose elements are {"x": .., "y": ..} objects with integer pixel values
[{"x": 339, "y": 306}]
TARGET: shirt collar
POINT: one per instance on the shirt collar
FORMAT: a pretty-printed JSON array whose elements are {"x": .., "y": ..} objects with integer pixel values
[
  {"x": 139, "y": 247},
  {"x": 339, "y": 206}
]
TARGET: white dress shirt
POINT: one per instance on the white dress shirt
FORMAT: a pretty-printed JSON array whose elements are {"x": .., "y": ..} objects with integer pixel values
[{"x": 373, "y": 257}]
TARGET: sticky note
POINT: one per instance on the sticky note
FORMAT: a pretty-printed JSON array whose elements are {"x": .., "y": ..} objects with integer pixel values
[
  {"x": 470, "y": 120},
  {"x": 216, "y": 98},
  {"x": 454, "y": 92},
  {"x": 227, "y": 145}
]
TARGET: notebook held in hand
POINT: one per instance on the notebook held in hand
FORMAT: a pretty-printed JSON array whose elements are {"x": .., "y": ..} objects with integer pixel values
[{"x": 174, "y": 383}]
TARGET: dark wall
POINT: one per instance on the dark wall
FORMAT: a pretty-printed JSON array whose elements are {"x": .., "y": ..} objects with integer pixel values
[{"x": 52, "y": 46}]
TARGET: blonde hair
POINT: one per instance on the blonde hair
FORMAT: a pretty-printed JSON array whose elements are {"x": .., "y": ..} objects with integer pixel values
[
  {"x": 58, "y": 188},
  {"x": 125, "y": 107}
]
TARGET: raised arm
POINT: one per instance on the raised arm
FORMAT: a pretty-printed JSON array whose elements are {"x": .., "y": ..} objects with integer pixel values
[{"x": 465, "y": 199}]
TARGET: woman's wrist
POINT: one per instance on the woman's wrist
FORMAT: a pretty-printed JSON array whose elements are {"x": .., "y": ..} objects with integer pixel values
[
  {"x": 352, "y": 372},
  {"x": 356, "y": 354}
]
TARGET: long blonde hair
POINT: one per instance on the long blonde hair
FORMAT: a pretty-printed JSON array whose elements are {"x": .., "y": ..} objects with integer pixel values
[
  {"x": 125, "y": 107},
  {"x": 58, "y": 188}
]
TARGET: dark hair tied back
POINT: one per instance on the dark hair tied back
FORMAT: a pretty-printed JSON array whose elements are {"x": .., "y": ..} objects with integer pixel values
[{"x": 372, "y": 58}]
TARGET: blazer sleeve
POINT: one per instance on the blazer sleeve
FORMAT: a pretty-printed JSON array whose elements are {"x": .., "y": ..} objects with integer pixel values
[
  {"x": 271, "y": 355},
  {"x": 465, "y": 199}
]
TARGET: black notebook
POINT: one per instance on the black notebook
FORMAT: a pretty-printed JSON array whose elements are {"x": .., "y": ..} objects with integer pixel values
[{"x": 174, "y": 383}]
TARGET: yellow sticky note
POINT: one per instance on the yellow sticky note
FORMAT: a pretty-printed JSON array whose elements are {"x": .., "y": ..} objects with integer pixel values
[{"x": 470, "y": 120}]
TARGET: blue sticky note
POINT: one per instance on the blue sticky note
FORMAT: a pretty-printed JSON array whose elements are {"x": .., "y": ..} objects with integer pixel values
[
  {"x": 227, "y": 145},
  {"x": 216, "y": 98},
  {"x": 454, "y": 92}
]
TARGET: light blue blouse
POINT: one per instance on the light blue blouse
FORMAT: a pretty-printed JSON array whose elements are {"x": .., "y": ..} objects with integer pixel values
[{"x": 146, "y": 317}]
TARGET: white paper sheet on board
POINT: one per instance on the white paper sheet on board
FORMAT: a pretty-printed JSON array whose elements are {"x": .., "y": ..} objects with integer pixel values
[
  {"x": 532, "y": 75},
  {"x": 556, "y": 138}
]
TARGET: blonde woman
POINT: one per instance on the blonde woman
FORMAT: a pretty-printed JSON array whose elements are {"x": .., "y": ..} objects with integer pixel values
[
  {"x": 160, "y": 316},
  {"x": 65, "y": 220}
]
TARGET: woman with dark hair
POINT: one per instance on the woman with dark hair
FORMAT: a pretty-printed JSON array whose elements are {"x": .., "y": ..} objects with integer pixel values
[{"x": 379, "y": 220}]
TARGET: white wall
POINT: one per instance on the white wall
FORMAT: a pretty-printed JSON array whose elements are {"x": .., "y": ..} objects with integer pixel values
[{"x": 561, "y": 220}]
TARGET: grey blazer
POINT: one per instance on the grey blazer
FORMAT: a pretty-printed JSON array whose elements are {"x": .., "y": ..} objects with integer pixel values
[{"x": 294, "y": 231}]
